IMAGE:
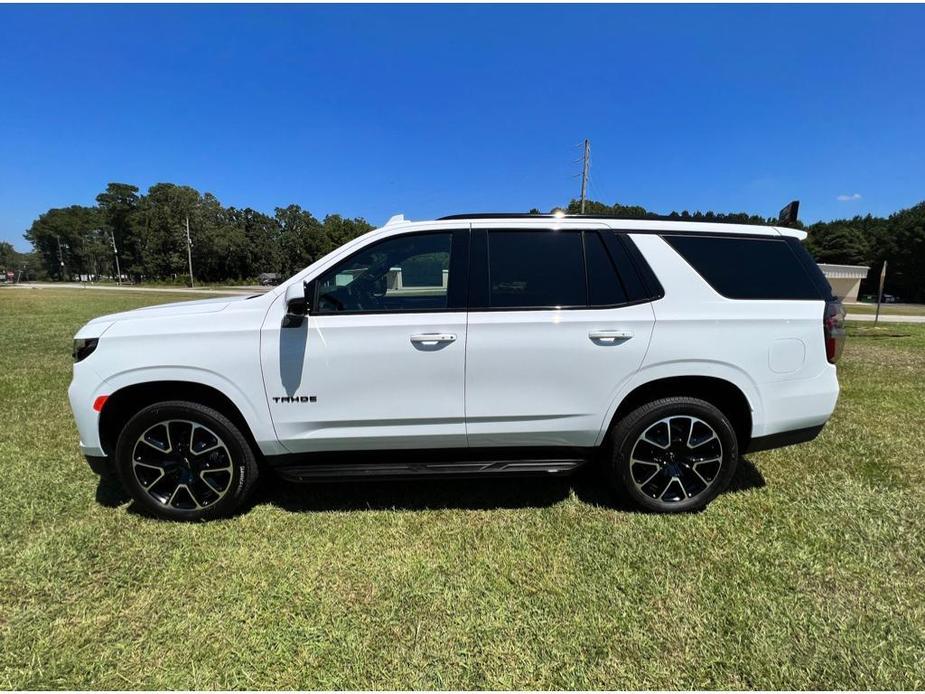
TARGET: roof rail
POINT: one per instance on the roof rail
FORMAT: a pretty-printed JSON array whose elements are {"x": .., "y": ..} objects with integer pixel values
[
  {"x": 491, "y": 215},
  {"x": 543, "y": 215}
]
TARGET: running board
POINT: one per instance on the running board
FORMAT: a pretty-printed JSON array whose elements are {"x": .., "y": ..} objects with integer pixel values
[{"x": 456, "y": 468}]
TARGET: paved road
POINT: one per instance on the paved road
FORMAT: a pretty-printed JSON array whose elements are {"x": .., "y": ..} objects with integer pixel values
[
  {"x": 886, "y": 318},
  {"x": 246, "y": 291}
]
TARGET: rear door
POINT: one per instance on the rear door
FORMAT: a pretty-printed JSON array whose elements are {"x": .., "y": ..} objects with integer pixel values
[{"x": 553, "y": 332}]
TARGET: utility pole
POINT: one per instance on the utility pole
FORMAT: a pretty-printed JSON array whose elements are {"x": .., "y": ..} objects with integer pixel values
[
  {"x": 60, "y": 257},
  {"x": 115, "y": 252},
  {"x": 584, "y": 173},
  {"x": 189, "y": 252},
  {"x": 880, "y": 293}
]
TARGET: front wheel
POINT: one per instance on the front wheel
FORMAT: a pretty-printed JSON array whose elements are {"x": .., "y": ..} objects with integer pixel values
[
  {"x": 675, "y": 454},
  {"x": 184, "y": 461}
]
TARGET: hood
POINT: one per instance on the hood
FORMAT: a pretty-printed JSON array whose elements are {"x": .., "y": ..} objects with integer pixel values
[{"x": 178, "y": 308}]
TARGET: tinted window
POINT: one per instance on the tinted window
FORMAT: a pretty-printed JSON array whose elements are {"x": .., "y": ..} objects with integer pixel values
[
  {"x": 535, "y": 269},
  {"x": 640, "y": 282},
  {"x": 747, "y": 268},
  {"x": 405, "y": 273},
  {"x": 604, "y": 285},
  {"x": 814, "y": 271}
]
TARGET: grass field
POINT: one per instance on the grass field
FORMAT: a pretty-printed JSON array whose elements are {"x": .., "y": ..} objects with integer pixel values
[
  {"x": 887, "y": 309},
  {"x": 810, "y": 573}
]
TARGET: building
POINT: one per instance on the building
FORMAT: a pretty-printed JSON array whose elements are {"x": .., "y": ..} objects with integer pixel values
[{"x": 844, "y": 279}]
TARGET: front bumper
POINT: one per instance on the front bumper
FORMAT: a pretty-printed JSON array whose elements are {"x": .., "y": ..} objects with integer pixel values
[{"x": 81, "y": 394}]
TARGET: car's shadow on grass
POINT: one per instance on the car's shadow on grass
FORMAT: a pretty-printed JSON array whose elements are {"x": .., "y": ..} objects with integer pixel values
[
  {"x": 588, "y": 485},
  {"x": 110, "y": 492}
]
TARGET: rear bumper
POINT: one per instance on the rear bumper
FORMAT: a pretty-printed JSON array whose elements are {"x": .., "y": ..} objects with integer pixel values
[
  {"x": 797, "y": 405},
  {"x": 783, "y": 438}
]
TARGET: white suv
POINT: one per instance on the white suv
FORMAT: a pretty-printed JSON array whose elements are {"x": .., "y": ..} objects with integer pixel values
[{"x": 473, "y": 345}]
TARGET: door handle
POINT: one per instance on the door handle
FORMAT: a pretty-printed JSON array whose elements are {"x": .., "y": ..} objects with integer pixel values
[
  {"x": 610, "y": 335},
  {"x": 432, "y": 338}
]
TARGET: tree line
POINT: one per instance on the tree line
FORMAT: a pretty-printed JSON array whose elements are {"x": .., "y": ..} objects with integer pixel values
[
  {"x": 232, "y": 244},
  {"x": 148, "y": 230},
  {"x": 862, "y": 240}
]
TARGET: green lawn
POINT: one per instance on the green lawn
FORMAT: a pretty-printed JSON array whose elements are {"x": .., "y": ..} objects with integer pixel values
[
  {"x": 810, "y": 574},
  {"x": 887, "y": 309}
]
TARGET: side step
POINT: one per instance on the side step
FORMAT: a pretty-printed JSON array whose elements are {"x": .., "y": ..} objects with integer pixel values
[{"x": 302, "y": 472}]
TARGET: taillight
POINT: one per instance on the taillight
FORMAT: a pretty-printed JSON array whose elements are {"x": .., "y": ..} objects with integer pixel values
[{"x": 833, "y": 328}]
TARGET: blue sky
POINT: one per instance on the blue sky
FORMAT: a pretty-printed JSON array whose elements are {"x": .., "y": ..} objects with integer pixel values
[{"x": 430, "y": 110}]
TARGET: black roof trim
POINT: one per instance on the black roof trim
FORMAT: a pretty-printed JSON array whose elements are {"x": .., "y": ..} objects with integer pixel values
[
  {"x": 494, "y": 215},
  {"x": 543, "y": 215}
]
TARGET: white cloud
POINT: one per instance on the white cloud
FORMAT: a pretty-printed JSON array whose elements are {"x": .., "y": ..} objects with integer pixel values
[{"x": 846, "y": 198}]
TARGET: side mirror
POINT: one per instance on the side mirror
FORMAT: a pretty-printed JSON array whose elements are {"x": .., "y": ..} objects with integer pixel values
[{"x": 298, "y": 299}]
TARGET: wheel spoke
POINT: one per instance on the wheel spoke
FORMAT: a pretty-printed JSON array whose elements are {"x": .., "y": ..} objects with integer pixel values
[
  {"x": 173, "y": 494},
  {"x": 705, "y": 481},
  {"x": 695, "y": 467},
  {"x": 702, "y": 443},
  {"x": 211, "y": 485},
  {"x": 663, "y": 423},
  {"x": 157, "y": 468},
  {"x": 667, "y": 487},
  {"x": 680, "y": 428},
  {"x": 192, "y": 495},
  {"x": 648, "y": 452},
  {"x": 650, "y": 464},
  {"x": 155, "y": 443},
  {"x": 156, "y": 448},
  {"x": 707, "y": 460}
]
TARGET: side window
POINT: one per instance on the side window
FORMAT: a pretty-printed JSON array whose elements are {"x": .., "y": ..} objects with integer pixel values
[
  {"x": 535, "y": 269},
  {"x": 746, "y": 268},
  {"x": 639, "y": 281},
  {"x": 604, "y": 285},
  {"x": 405, "y": 273}
]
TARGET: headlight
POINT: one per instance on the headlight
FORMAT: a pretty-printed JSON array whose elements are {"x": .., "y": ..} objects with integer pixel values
[{"x": 84, "y": 348}]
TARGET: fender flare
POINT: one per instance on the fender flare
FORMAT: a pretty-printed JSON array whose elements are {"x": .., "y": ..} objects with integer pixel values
[
  {"x": 666, "y": 370},
  {"x": 256, "y": 415}
]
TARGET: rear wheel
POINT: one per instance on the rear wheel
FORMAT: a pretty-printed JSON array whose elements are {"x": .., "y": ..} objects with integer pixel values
[
  {"x": 184, "y": 461},
  {"x": 674, "y": 454}
]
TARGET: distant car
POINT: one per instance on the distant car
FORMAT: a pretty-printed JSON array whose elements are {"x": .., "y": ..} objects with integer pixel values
[
  {"x": 473, "y": 346},
  {"x": 891, "y": 299},
  {"x": 268, "y": 279}
]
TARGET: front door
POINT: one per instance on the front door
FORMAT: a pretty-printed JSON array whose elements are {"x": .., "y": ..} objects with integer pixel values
[{"x": 380, "y": 361}]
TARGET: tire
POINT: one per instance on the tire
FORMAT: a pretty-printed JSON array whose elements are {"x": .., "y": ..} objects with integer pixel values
[
  {"x": 186, "y": 462},
  {"x": 673, "y": 455}
]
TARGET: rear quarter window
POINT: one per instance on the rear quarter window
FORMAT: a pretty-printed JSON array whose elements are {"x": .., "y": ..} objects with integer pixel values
[{"x": 747, "y": 267}]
